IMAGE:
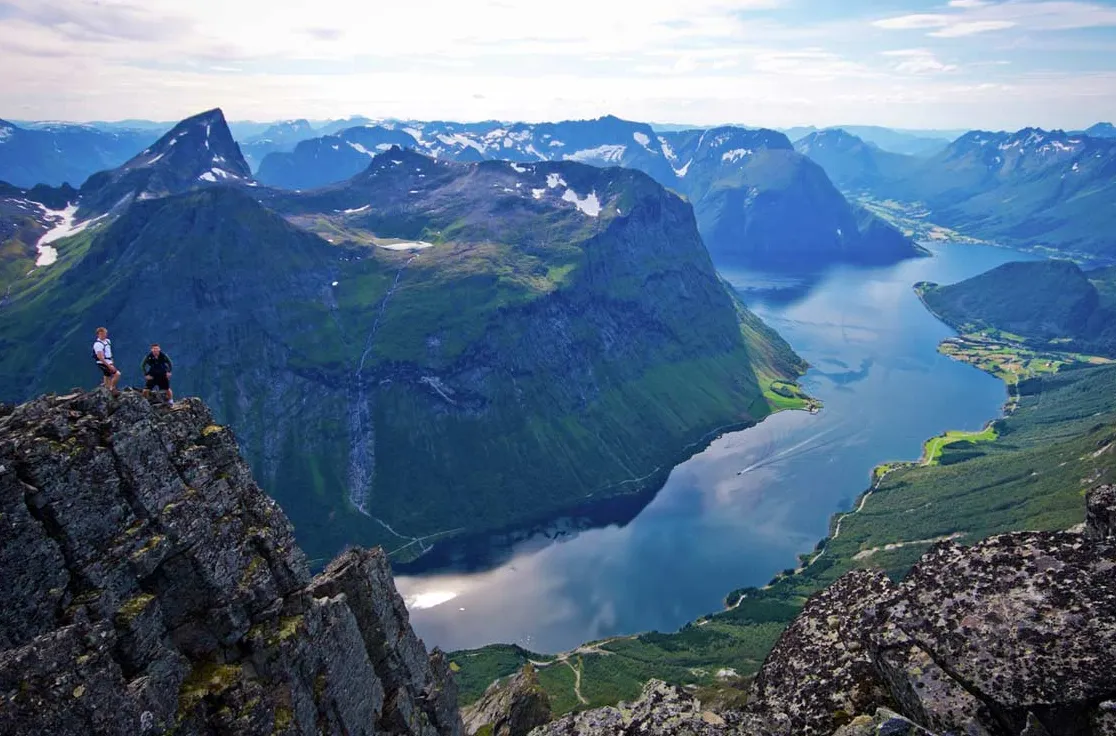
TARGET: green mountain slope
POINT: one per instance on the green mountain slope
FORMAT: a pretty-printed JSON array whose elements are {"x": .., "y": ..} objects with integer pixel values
[
  {"x": 1048, "y": 303},
  {"x": 1032, "y": 188},
  {"x": 853, "y": 164},
  {"x": 749, "y": 186},
  {"x": 25, "y": 216},
  {"x": 561, "y": 336}
]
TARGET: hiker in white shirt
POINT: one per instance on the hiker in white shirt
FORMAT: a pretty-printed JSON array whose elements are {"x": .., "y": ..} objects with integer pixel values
[{"x": 102, "y": 353}]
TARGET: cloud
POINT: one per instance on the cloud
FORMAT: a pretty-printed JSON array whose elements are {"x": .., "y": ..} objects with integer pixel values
[
  {"x": 754, "y": 61},
  {"x": 970, "y": 17},
  {"x": 918, "y": 61},
  {"x": 325, "y": 34},
  {"x": 911, "y": 22},
  {"x": 957, "y": 30}
]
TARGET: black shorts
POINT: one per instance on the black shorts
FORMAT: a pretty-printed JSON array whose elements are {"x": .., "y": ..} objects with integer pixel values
[
  {"x": 160, "y": 381},
  {"x": 108, "y": 370}
]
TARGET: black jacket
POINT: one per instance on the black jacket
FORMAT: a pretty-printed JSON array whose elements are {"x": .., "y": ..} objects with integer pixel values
[{"x": 160, "y": 366}]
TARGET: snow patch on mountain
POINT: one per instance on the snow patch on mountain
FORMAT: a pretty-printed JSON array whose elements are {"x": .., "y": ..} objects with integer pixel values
[
  {"x": 606, "y": 152},
  {"x": 668, "y": 151},
  {"x": 590, "y": 205},
  {"x": 361, "y": 149},
  {"x": 406, "y": 245},
  {"x": 457, "y": 139},
  {"x": 735, "y": 154},
  {"x": 63, "y": 227},
  {"x": 215, "y": 173}
]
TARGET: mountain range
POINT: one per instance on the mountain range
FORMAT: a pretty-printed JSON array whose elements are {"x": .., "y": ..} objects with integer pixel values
[
  {"x": 852, "y": 163},
  {"x": 428, "y": 349},
  {"x": 758, "y": 202},
  {"x": 1031, "y": 188},
  {"x": 919, "y": 143},
  {"x": 57, "y": 153},
  {"x": 1102, "y": 130},
  {"x": 281, "y": 136}
]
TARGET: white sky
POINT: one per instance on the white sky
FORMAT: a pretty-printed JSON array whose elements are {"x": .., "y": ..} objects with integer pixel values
[{"x": 959, "y": 64}]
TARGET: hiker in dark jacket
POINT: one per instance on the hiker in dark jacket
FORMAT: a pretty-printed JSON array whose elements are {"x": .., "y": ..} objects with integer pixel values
[{"x": 157, "y": 372}]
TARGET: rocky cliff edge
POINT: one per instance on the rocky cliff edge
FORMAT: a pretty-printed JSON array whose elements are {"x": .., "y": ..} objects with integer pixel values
[{"x": 149, "y": 586}]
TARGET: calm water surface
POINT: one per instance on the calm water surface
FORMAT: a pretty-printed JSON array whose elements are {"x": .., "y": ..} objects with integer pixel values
[{"x": 742, "y": 510}]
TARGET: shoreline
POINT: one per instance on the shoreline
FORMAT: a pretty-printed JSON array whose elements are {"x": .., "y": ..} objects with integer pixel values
[
  {"x": 601, "y": 508},
  {"x": 882, "y": 470}
]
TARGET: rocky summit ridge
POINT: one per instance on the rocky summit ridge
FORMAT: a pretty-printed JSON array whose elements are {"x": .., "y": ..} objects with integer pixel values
[{"x": 149, "y": 586}]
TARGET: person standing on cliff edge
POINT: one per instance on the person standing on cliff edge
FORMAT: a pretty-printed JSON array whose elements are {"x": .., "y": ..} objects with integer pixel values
[
  {"x": 102, "y": 353},
  {"x": 157, "y": 372}
]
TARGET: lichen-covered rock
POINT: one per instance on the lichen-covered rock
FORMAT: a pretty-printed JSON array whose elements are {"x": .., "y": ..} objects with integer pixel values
[
  {"x": 661, "y": 710},
  {"x": 510, "y": 708},
  {"x": 820, "y": 673},
  {"x": 150, "y": 586},
  {"x": 1100, "y": 514},
  {"x": 922, "y": 689},
  {"x": 1104, "y": 719},
  {"x": 1024, "y": 622},
  {"x": 884, "y": 723}
]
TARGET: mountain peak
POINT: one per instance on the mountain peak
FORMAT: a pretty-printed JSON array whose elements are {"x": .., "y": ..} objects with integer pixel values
[
  {"x": 198, "y": 151},
  {"x": 829, "y": 137},
  {"x": 201, "y": 143},
  {"x": 1102, "y": 130}
]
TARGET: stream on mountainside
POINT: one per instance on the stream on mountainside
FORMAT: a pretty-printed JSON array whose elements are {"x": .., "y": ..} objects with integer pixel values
[{"x": 737, "y": 513}]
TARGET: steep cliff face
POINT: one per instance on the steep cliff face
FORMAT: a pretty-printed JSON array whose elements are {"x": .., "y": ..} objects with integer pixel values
[
  {"x": 1013, "y": 636},
  {"x": 511, "y": 708},
  {"x": 149, "y": 586}
]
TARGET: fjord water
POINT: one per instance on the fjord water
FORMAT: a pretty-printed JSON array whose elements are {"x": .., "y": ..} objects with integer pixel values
[{"x": 742, "y": 510}]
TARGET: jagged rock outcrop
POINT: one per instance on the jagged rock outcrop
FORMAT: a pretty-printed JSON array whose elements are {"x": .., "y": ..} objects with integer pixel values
[
  {"x": 1013, "y": 636},
  {"x": 660, "y": 709},
  {"x": 884, "y": 723},
  {"x": 510, "y": 708},
  {"x": 819, "y": 672},
  {"x": 149, "y": 586},
  {"x": 1016, "y": 634},
  {"x": 1100, "y": 514}
]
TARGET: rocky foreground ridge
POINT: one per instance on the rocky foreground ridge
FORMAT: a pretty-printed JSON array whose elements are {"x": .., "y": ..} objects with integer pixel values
[
  {"x": 1014, "y": 636},
  {"x": 148, "y": 586}
]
